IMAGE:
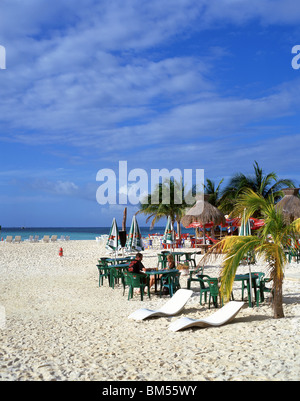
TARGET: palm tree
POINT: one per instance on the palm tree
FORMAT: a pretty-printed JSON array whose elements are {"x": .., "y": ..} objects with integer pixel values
[
  {"x": 213, "y": 196},
  {"x": 272, "y": 250},
  {"x": 174, "y": 208},
  {"x": 260, "y": 183},
  {"x": 213, "y": 192}
]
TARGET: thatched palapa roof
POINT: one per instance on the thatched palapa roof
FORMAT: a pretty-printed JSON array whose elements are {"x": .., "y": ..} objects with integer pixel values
[
  {"x": 290, "y": 204},
  {"x": 203, "y": 212}
]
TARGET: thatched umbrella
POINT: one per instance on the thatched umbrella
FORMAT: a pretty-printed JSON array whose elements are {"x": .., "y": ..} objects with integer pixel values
[
  {"x": 290, "y": 204},
  {"x": 203, "y": 212}
]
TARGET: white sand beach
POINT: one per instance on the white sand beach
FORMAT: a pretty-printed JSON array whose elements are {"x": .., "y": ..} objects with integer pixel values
[{"x": 61, "y": 326}]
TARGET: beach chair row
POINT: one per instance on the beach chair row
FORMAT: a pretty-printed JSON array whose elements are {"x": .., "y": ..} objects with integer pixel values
[{"x": 33, "y": 239}]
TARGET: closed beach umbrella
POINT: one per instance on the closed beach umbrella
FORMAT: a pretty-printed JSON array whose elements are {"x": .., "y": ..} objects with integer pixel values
[
  {"x": 169, "y": 235},
  {"x": 134, "y": 240},
  {"x": 245, "y": 230},
  {"x": 113, "y": 242}
]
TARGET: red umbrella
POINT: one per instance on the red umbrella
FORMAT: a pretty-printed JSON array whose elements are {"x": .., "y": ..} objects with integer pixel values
[{"x": 256, "y": 223}]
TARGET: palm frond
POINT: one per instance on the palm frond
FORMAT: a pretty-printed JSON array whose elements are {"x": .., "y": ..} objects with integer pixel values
[{"x": 236, "y": 249}]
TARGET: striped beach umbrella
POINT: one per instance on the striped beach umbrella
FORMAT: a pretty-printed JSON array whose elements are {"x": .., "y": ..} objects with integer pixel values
[
  {"x": 169, "y": 235},
  {"x": 245, "y": 227},
  {"x": 113, "y": 242},
  {"x": 245, "y": 230},
  {"x": 134, "y": 240}
]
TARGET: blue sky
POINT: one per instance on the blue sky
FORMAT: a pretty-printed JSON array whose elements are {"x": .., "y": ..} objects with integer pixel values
[{"x": 188, "y": 84}]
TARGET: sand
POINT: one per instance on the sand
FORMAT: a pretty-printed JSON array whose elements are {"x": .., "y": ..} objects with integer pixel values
[{"x": 59, "y": 325}]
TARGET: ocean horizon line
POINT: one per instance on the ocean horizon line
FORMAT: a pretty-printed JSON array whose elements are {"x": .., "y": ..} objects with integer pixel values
[{"x": 75, "y": 233}]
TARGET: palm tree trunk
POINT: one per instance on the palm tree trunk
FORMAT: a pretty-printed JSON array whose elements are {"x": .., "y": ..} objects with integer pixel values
[
  {"x": 277, "y": 303},
  {"x": 178, "y": 229},
  {"x": 277, "y": 293}
]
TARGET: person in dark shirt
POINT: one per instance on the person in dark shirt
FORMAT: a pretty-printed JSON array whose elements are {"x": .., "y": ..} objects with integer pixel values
[{"x": 136, "y": 266}]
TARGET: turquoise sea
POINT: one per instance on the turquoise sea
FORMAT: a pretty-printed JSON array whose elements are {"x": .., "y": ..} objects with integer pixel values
[{"x": 75, "y": 233}]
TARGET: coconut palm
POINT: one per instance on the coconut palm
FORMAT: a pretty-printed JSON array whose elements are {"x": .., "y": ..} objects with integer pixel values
[
  {"x": 213, "y": 192},
  {"x": 160, "y": 208},
  {"x": 270, "y": 244},
  {"x": 262, "y": 184}
]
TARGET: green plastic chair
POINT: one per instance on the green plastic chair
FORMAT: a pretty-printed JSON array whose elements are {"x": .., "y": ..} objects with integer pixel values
[
  {"x": 170, "y": 281},
  {"x": 293, "y": 253},
  {"x": 138, "y": 281},
  {"x": 259, "y": 278},
  {"x": 126, "y": 281},
  {"x": 162, "y": 261},
  {"x": 213, "y": 284},
  {"x": 191, "y": 261},
  {"x": 115, "y": 276},
  {"x": 193, "y": 276},
  {"x": 261, "y": 289},
  {"x": 176, "y": 283},
  {"x": 204, "y": 288},
  {"x": 104, "y": 272}
]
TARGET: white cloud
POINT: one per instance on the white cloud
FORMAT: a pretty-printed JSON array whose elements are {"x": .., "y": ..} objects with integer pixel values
[
  {"x": 97, "y": 75},
  {"x": 77, "y": 74},
  {"x": 240, "y": 12}
]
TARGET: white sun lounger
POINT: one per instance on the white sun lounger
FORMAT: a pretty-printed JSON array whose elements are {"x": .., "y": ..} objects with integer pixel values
[
  {"x": 30, "y": 239},
  {"x": 222, "y": 316},
  {"x": 172, "y": 307},
  {"x": 17, "y": 239}
]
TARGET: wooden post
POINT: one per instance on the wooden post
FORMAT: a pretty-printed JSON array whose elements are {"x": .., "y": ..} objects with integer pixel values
[{"x": 124, "y": 219}]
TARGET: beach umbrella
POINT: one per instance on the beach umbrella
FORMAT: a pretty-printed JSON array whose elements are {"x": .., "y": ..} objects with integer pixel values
[
  {"x": 245, "y": 230},
  {"x": 169, "y": 235},
  {"x": 113, "y": 242},
  {"x": 134, "y": 240},
  {"x": 290, "y": 204},
  {"x": 205, "y": 213},
  {"x": 256, "y": 223}
]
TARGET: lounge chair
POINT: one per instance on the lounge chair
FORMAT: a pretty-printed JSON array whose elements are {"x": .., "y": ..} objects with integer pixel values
[
  {"x": 45, "y": 238},
  {"x": 172, "y": 307},
  {"x": 53, "y": 238},
  {"x": 36, "y": 238},
  {"x": 17, "y": 239},
  {"x": 30, "y": 239},
  {"x": 222, "y": 316},
  {"x": 9, "y": 239}
]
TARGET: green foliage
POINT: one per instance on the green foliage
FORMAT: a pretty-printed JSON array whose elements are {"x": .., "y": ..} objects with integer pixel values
[
  {"x": 265, "y": 185},
  {"x": 166, "y": 200},
  {"x": 270, "y": 244}
]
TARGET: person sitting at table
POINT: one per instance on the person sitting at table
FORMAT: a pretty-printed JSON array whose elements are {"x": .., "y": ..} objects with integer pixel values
[
  {"x": 136, "y": 266},
  {"x": 171, "y": 265}
]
